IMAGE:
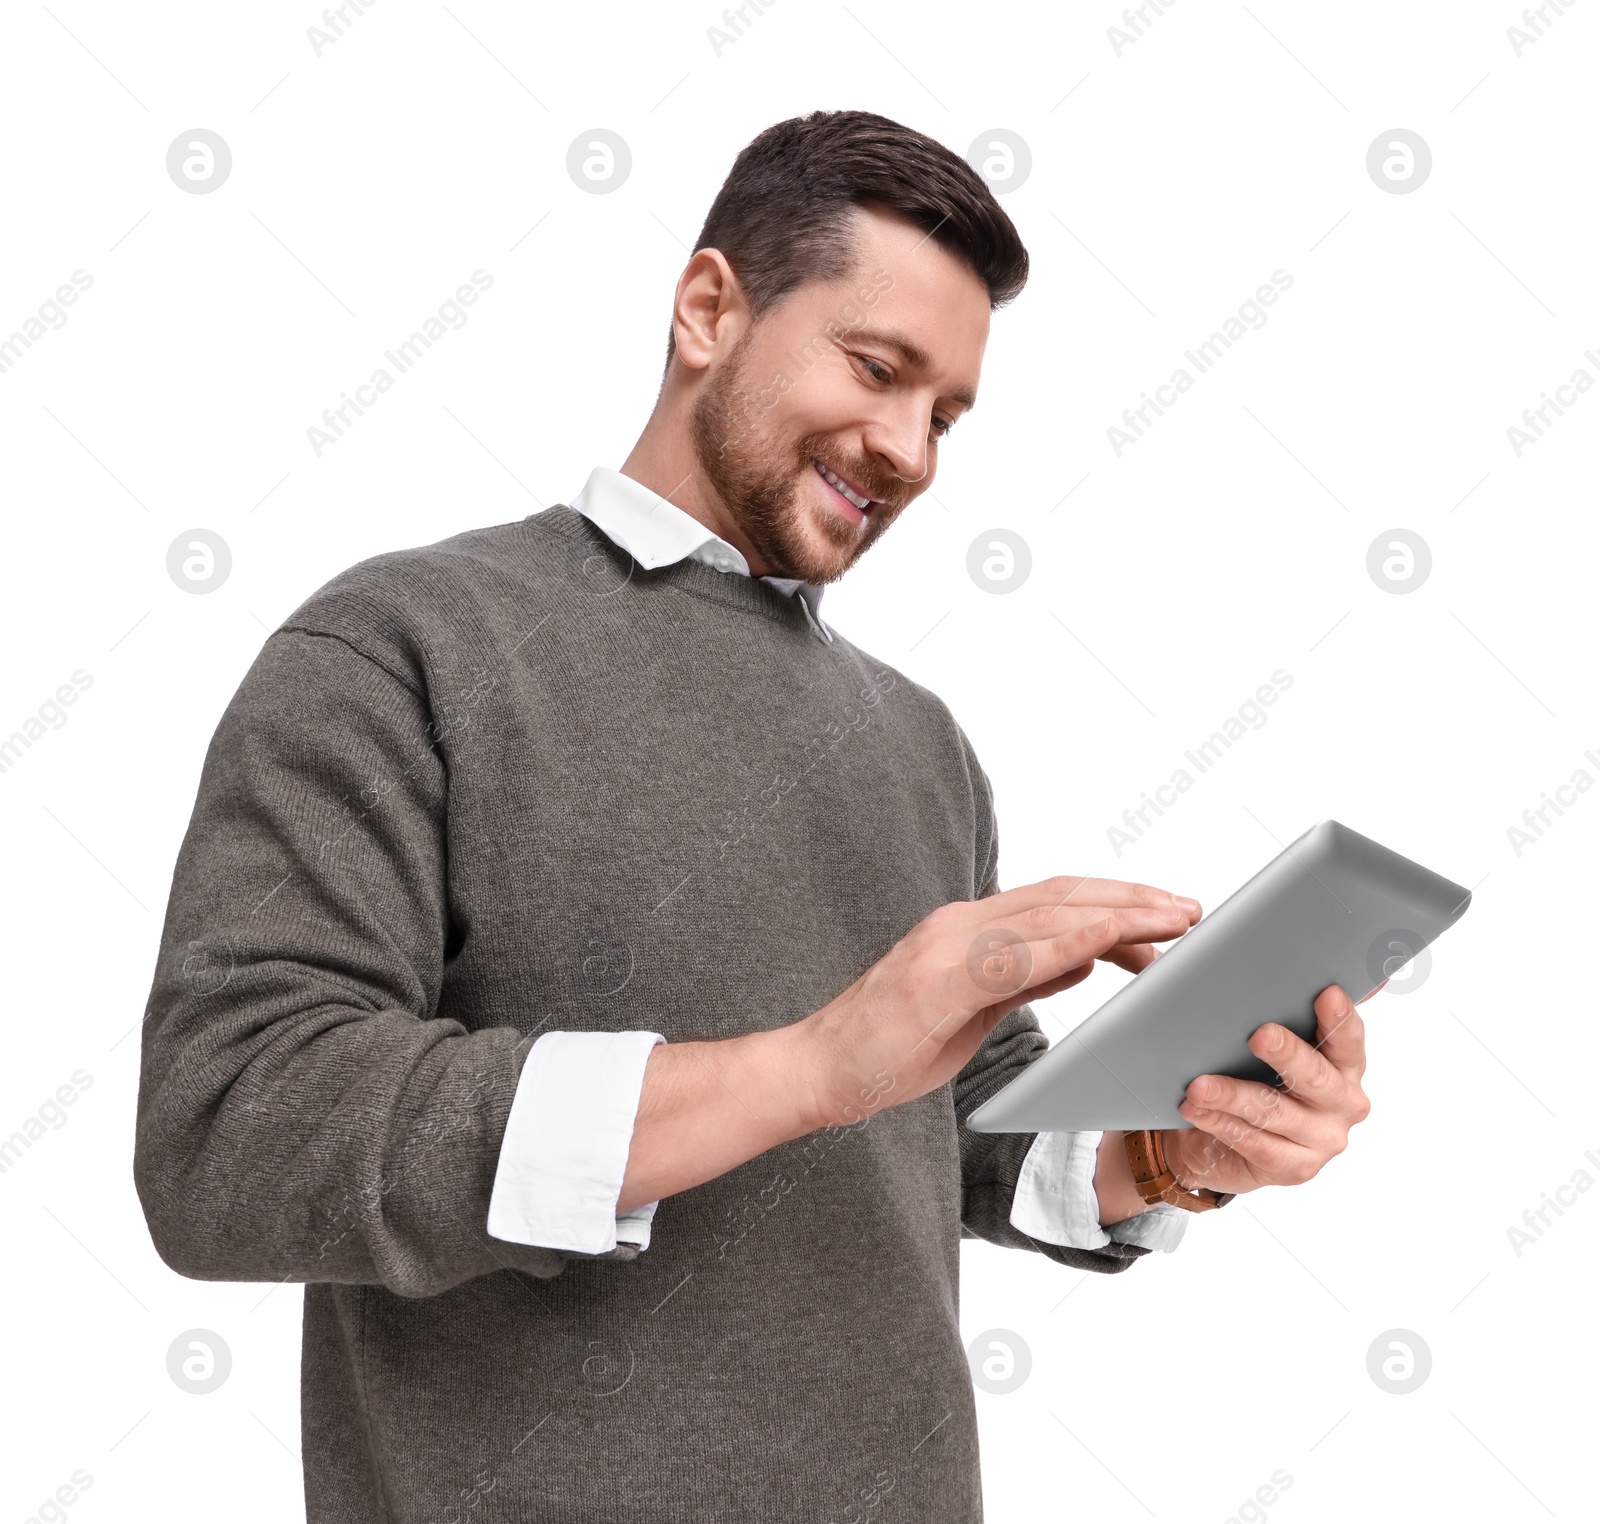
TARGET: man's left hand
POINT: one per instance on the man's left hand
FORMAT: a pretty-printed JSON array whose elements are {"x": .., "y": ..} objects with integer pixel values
[{"x": 1247, "y": 1135}]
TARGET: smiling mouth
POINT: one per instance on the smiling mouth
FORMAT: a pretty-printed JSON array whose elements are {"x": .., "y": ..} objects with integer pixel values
[{"x": 856, "y": 504}]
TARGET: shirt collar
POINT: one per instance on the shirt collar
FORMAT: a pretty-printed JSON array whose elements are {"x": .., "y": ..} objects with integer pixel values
[{"x": 657, "y": 533}]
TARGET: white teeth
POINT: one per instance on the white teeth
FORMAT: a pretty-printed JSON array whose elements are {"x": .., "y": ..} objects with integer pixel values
[{"x": 838, "y": 486}]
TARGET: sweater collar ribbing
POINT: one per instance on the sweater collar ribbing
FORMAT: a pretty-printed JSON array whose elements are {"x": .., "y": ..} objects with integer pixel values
[{"x": 751, "y": 594}]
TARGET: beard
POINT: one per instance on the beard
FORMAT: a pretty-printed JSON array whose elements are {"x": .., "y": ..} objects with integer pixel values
[{"x": 757, "y": 476}]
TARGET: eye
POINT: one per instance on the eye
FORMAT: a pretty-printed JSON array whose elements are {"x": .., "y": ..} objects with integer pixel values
[{"x": 880, "y": 374}]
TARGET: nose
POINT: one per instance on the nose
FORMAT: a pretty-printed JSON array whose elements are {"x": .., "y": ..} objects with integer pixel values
[{"x": 902, "y": 441}]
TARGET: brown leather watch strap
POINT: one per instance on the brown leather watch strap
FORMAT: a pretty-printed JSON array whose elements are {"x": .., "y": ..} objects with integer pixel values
[{"x": 1153, "y": 1176}]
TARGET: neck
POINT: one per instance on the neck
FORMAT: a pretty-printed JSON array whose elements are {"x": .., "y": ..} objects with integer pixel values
[{"x": 663, "y": 459}]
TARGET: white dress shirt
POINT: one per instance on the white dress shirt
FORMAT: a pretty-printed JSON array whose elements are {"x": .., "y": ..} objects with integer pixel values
[{"x": 571, "y": 1122}]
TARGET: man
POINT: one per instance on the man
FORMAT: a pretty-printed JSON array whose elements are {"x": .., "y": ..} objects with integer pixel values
[{"x": 581, "y": 959}]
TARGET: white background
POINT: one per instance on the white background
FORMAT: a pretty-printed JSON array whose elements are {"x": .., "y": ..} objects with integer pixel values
[{"x": 1168, "y": 181}]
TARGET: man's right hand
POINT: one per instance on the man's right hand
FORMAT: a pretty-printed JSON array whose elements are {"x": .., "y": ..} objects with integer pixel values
[
  {"x": 909, "y": 1024},
  {"x": 914, "y": 1019}
]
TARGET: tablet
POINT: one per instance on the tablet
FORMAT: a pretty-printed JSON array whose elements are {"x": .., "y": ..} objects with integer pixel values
[{"x": 1332, "y": 908}]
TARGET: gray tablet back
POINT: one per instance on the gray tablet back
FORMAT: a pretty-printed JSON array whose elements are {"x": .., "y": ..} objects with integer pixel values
[{"x": 1332, "y": 908}]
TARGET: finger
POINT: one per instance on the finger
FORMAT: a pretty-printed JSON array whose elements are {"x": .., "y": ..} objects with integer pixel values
[
  {"x": 1307, "y": 1074},
  {"x": 1262, "y": 1106},
  {"x": 1135, "y": 923},
  {"x": 1274, "y": 1159},
  {"x": 1134, "y": 956},
  {"x": 1078, "y": 945},
  {"x": 1067, "y": 889},
  {"x": 1052, "y": 986},
  {"x": 1134, "y": 959},
  {"x": 1042, "y": 926},
  {"x": 1001, "y": 967},
  {"x": 1050, "y": 932},
  {"x": 1341, "y": 1033},
  {"x": 1036, "y": 946},
  {"x": 1130, "y": 952},
  {"x": 1131, "y": 956}
]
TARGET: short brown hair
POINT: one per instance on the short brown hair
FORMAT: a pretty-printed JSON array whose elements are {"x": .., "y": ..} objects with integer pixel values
[{"x": 783, "y": 216}]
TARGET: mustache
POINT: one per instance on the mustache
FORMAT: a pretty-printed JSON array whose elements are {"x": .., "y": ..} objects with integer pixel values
[{"x": 866, "y": 478}]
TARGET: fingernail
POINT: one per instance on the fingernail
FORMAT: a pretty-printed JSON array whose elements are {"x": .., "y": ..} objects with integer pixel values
[
  {"x": 1183, "y": 902},
  {"x": 1203, "y": 1090}
]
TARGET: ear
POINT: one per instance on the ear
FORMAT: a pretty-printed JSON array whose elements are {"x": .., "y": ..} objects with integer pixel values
[{"x": 709, "y": 312}]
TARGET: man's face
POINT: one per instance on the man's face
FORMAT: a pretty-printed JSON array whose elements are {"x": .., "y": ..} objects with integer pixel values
[{"x": 863, "y": 376}]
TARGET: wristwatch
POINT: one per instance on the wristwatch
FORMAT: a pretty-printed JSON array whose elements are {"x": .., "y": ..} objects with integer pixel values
[{"x": 1154, "y": 1180}]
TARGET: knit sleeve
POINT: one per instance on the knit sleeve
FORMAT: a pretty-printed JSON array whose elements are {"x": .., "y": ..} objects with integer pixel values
[
  {"x": 304, "y": 1113},
  {"x": 991, "y": 1163}
]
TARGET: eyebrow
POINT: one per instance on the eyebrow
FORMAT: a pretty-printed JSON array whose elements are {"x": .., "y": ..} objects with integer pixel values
[{"x": 914, "y": 355}]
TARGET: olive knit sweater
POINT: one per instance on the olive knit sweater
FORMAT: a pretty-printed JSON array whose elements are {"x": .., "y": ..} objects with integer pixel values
[{"x": 513, "y": 782}]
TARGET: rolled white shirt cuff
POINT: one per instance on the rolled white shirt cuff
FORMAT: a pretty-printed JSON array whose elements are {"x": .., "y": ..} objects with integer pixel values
[
  {"x": 1055, "y": 1200},
  {"x": 566, "y": 1143}
]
